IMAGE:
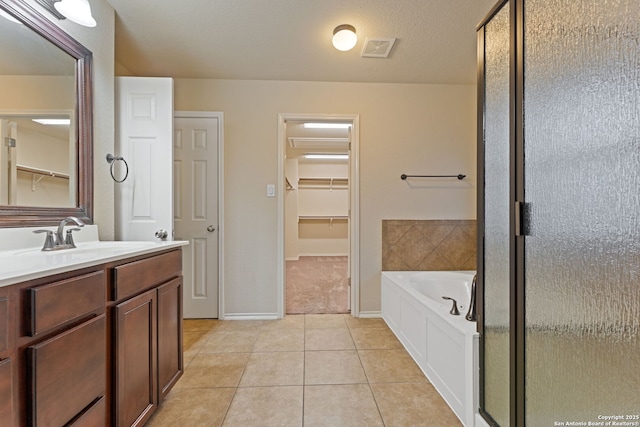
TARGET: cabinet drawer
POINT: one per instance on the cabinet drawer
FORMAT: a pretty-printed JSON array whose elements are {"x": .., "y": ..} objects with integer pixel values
[
  {"x": 132, "y": 278},
  {"x": 67, "y": 373},
  {"x": 6, "y": 393},
  {"x": 4, "y": 324},
  {"x": 56, "y": 303},
  {"x": 94, "y": 416}
]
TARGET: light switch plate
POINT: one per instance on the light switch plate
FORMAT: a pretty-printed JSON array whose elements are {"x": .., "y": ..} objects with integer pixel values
[{"x": 271, "y": 190}]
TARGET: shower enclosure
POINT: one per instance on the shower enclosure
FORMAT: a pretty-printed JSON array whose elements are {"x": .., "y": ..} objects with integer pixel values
[{"x": 559, "y": 212}]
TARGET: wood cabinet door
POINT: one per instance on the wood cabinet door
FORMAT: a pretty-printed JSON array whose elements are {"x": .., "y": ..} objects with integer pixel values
[
  {"x": 170, "y": 363},
  {"x": 136, "y": 392},
  {"x": 6, "y": 393},
  {"x": 67, "y": 373}
]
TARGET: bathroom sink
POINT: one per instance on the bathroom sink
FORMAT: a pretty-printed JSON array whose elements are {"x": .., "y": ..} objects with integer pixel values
[{"x": 97, "y": 248}]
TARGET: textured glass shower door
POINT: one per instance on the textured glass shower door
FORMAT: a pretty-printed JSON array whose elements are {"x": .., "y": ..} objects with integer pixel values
[
  {"x": 496, "y": 276},
  {"x": 582, "y": 198}
]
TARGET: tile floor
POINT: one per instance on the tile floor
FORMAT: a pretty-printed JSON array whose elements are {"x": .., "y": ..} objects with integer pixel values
[{"x": 304, "y": 370}]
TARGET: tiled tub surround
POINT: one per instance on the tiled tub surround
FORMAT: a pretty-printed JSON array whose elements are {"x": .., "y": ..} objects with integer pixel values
[
  {"x": 303, "y": 370},
  {"x": 434, "y": 245}
]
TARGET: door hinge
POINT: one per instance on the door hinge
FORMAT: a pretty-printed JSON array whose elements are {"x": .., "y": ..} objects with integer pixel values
[{"x": 10, "y": 142}]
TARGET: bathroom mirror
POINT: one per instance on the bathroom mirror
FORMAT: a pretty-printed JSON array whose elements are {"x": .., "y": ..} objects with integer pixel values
[{"x": 44, "y": 74}]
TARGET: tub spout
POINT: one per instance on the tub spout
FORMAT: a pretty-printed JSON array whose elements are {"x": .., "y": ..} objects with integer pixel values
[
  {"x": 471, "y": 314},
  {"x": 454, "y": 308}
]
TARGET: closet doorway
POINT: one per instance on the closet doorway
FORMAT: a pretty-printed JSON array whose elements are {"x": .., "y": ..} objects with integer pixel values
[{"x": 319, "y": 167}]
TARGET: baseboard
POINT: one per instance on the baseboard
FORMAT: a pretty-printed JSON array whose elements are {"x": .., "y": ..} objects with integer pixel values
[
  {"x": 250, "y": 316},
  {"x": 371, "y": 314},
  {"x": 318, "y": 255}
]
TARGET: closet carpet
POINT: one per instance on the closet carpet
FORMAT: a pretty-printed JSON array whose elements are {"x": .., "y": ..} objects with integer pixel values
[{"x": 317, "y": 285}]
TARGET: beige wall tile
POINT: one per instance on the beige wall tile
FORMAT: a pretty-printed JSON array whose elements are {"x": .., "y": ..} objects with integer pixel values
[{"x": 423, "y": 245}]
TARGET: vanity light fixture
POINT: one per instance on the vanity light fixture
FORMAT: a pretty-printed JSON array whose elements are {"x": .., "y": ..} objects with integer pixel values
[
  {"x": 344, "y": 37},
  {"x": 326, "y": 156},
  {"x": 78, "y": 11}
]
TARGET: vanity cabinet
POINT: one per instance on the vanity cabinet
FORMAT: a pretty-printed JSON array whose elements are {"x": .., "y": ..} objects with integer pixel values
[
  {"x": 147, "y": 315},
  {"x": 6, "y": 363},
  {"x": 96, "y": 346}
]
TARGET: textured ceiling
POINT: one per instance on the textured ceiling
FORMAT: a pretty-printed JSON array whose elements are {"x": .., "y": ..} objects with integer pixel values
[{"x": 291, "y": 39}]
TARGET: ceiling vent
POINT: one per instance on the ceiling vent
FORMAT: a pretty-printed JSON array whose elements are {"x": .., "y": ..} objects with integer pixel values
[{"x": 377, "y": 48}]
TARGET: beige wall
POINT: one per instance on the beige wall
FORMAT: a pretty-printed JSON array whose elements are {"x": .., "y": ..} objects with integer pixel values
[
  {"x": 404, "y": 128},
  {"x": 100, "y": 40}
]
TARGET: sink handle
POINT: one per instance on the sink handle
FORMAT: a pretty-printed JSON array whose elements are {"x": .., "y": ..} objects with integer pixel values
[
  {"x": 68, "y": 240},
  {"x": 49, "y": 241},
  {"x": 454, "y": 308}
]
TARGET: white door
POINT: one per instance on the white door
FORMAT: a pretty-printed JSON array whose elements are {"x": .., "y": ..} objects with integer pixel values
[
  {"x": 144, "y": 133},
  {"x": 196, "y": 144}
]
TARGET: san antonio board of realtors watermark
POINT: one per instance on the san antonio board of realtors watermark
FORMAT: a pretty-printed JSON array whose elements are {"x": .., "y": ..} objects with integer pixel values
[{"x": 604, "y": 421}]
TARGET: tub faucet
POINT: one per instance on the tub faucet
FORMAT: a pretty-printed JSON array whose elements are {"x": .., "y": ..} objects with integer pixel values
[
  {"x": 471, "y": 314},
  {"x": 454, "y": 307}
]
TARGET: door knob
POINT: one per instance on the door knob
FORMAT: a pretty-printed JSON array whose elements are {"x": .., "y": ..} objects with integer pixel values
[
  {"x": 162, "y": 234},
  {"x": 211, "y": 229}
]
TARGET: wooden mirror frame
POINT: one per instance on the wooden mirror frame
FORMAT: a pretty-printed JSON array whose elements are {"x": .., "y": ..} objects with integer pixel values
[{"x": 26, "y": 216}]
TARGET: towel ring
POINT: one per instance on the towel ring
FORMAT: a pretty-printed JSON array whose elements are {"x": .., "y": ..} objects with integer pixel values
[{"x": 111, "y": 159}]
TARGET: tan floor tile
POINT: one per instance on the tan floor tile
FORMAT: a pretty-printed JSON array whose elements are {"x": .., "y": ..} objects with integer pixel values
[
  {"x": 193, "y": 408},
  {"x": 192, "y": 340},
  {"x": 280, "y": 340},
  {"x": 324, "y": 321},
  {"x": 340, "y": 405},
  {"x": 273, "y": 369},
  {"x": 199, "y": 324},
  {"x": 214, "y": 370},
  {"x": 362, "y": 322},
  {"x": 290, "y": 321},
  {"x": 333, "y": 367},
  {"x": 236, "y": 325},
  {"x": 413, "y": 404},
  {"x": 220, "y": 341},
  {"x": 390, "y": 366},
  {"x": 328, "y": 339},
  {"x": 266, "y": 407},
  {"x": 375, "y": 339}
]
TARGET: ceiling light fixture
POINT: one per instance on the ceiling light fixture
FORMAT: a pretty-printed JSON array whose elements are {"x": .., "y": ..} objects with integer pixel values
[
  {"x": 327, "y": 125},
  {"x": 327, "y": 156},
  {"x": 344, "y": 37},
  {"x": 78, "y": 11},
  {"x": 54, "y": 122}
]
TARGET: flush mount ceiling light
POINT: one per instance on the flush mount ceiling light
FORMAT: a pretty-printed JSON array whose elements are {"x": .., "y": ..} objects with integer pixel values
[
  {"x": 326, "y": 156},
  {"x": 327, "y": 125},
  {"x": 344, "y": 37},
  {"x": 54, "y": 122},
  {"x": 78, "y": 11}
]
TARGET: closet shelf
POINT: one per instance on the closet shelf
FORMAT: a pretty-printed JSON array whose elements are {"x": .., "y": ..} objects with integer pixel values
[
  {"x": 323, "y": 183},
  {"x": 38, "y": 171}
]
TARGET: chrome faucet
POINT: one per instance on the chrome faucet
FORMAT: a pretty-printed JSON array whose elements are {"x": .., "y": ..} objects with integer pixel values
[
  {"x": 471, "y": 314},
  {"x": 56, "y": 240}
]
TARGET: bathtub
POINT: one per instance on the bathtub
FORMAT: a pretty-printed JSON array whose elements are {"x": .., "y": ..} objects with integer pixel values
[{"x": 443, "y": 345}]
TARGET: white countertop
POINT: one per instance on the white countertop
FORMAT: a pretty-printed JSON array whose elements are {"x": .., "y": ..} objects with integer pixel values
[{"x": 25, "y": 262}]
